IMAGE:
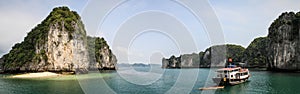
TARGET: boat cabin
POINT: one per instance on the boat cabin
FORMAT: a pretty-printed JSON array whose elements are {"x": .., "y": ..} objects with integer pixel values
[{"x": 232, "y": 73}]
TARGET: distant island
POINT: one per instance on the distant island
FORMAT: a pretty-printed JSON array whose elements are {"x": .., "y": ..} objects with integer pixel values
[
  {"x": 59, "y": 44},
  {"x": 279, "y": 51},
  {"x": 140, "y": 65},
  {"x": 136, "y": 65}
]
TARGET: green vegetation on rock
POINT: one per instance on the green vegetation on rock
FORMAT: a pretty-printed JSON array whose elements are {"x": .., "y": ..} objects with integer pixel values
[
  {"x": 63, "y": 15},
  {"x": 95, "y": 45},
  {"x": 236, "y": 52},
  {"x": 256, "y": 52},
  {"x": 285, "y": 20}
]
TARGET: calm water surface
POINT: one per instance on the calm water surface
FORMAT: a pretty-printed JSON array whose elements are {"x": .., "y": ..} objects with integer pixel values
[{"x": 138, "y": 81}]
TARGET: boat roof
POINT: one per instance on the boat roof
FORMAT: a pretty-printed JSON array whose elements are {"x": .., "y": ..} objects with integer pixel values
[{"x": 229, "y": 69}]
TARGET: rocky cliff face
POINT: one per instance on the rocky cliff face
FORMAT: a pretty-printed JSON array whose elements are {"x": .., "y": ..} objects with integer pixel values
[
  {"x": 106, "y": 59},
  {"x": 66, "y": 51},
  {"x": 101, "y": 57},
  {"x": 214, "y": 56},
  {"x": 190, "y": 60},
  {"x": 172, "y": 62},
  {"x": 284, "y": 53},
  {"x": 58, "y": 44}
]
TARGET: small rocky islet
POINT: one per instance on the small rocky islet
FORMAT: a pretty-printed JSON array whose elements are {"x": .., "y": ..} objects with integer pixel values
[
  {"x": 59, "y": 44},
  {"x": 279, "y": 51}
]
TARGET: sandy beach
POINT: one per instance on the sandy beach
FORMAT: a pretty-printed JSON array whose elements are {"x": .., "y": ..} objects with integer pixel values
[{"x": 36, "y": 75}]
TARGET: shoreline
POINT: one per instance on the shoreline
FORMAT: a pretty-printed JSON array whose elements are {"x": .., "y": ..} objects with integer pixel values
[{"x": 36, "y": 75}]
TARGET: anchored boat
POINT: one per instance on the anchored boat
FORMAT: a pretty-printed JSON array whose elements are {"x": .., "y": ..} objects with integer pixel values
[{"x": 231, "y": 75}]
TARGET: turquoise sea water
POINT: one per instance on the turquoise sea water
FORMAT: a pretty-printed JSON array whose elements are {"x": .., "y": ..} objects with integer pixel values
[{"x": 139, "y": 80}]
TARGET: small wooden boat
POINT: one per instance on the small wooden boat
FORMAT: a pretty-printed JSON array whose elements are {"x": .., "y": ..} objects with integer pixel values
[{"x": 231, "y": 75}]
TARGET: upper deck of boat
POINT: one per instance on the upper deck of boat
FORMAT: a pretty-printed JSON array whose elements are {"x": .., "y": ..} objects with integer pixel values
[
  {"x": 232, "y": 69},
  {"x": 229, "y": 69}
]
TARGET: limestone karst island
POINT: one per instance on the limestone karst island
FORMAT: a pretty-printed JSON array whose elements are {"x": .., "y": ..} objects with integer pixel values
[
  {"x": 59, "y": 44},
  {"x": 279, "y": 51}
]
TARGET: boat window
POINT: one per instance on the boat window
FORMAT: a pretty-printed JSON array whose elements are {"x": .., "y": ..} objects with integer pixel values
[
  {"x": 231, "y": 75},
  {"x": 222, "y": 71},
  {"x": 236, "y": 70}
]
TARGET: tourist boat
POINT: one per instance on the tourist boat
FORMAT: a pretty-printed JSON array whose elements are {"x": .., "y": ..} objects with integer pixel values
[{"x": 231, "y": 75}]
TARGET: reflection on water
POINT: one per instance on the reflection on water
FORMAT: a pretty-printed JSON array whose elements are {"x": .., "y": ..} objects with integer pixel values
[
  {"x": 261, "y": 82},
  {"x": 38, "y": 86}
]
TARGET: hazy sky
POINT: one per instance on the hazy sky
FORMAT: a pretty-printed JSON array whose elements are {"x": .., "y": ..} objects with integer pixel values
[{"x": 146, "y": 30}]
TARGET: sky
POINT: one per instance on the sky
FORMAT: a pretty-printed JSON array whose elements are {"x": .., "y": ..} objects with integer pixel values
[{"x": 144, "y": 31}]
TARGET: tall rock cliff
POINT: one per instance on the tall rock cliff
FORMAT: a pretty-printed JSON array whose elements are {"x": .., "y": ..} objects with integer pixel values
[
  {"x": 58, "y": 44},
  {"x": 284, "y": 48},
  {"x": 66, "y": 47}
]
